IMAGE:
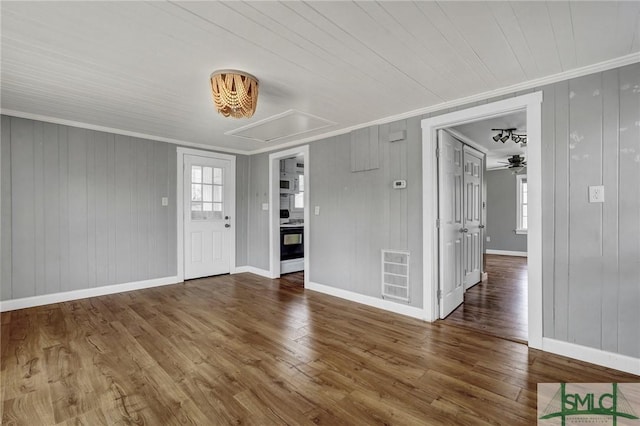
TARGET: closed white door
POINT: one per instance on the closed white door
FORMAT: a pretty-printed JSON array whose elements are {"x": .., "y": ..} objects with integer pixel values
[
  {"x": 450, "y": 187},
  {"x": 208, "y": 196},
  {"x": 472, "y": 244}
]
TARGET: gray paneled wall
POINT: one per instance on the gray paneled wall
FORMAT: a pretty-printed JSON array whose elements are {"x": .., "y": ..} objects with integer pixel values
[
  {"x": 591, "y": 263},
  {"x": 258, "y": 219},
  {"x": 501, "y": 212},
  {"x": 242, "y": 208},
  {"x": 82, "y": 209},
  {"x": 361, "y": 214},
  {"x": 591, "y": 252}
]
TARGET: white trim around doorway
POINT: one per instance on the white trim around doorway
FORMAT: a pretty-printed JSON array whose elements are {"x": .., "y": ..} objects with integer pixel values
[
  {"x": 180, "y": 153},
  {"x": 274, "y": 210},
  {"x": 531, "y": 103}
]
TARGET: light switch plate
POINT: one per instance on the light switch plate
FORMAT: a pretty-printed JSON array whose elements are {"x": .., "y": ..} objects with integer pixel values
[
  {"x": 316, "y": 211},
  {"x": 596, "y": 194},
  {"x": 165, "y": 201},
  {"x": 265, "y": 206}
]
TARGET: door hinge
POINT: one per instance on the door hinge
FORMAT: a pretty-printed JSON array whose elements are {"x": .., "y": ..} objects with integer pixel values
[
  {"x": 437, "y": 223},
  {"x": 437, "y": 152},
  {"x": 439, "y": 294}
]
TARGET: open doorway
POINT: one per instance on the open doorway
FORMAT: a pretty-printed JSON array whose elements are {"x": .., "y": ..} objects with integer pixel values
[
  {"x": 289, "y": 227},
  {"x": 497, "y": 304},
  {"x": 531, "y": 105}
]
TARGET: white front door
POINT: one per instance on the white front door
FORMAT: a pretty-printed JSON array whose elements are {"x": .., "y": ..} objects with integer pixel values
[
  {"x": 472, "y": 178},
  {"x": 207, "y": 204},
  {"x": 451, "y": 222}
]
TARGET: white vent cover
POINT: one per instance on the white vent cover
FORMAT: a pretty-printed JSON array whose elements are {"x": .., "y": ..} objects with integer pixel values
[
  {"x": 395, "y": 274},
  {"x": 289, "y": 123}
]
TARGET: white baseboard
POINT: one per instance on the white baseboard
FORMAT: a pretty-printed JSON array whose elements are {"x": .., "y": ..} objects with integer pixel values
[
  {"x": 47, "y": 299},
  {"x": 595, "y": 356},
  {"x": 253, "y": 270},
  {"x": 387, "y": 305},
  {"x": 507, "y": 252}
]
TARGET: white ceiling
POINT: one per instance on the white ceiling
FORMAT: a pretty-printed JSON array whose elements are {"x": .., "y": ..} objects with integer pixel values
[
  {"x": 497, "y": 152},
  {"x": 143, "y": 67}
]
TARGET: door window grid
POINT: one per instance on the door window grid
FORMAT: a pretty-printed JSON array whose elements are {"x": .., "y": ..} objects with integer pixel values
[{"x": 206, "y": 193}]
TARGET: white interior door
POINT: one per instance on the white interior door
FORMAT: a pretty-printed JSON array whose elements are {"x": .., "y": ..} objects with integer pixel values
[
  {"x": 451, "y": 222},
  {"x": 208, "y": 197},
  {"x": 472, "y": 205}
]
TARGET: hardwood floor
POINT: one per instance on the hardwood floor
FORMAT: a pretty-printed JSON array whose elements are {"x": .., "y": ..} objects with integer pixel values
[
  {"x": 243, "y": 349},
  {"x": 497, "y": 306}
]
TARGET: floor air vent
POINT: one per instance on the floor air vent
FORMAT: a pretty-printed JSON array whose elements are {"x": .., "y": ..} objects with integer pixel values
[{"x": 395, "y": 275}]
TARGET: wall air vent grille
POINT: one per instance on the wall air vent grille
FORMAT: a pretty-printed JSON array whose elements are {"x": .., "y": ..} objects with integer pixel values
[{"x": 395, "y": 275}]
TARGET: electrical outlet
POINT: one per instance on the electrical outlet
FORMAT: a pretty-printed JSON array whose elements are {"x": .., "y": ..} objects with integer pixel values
[
  {"x": 317, "y": 211},
  {"x": 265, "y": 206},
  {"x": 165, "y": 201},
  {"x": 596, "y": 194},
  {"x": 488, "y": 239}
]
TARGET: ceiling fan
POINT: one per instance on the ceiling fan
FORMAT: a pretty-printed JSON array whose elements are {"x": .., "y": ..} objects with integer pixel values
[{"x": 517, "y": 162}]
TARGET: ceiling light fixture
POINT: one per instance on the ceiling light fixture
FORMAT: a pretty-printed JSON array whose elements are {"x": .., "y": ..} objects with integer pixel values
[
  {"x": 504, "y": 134},
  {"x": 235, "y": 93}
]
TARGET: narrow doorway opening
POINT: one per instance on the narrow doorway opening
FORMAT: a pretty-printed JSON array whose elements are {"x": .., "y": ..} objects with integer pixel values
[
  {"x": 289, "y": 227},
  {"x": 497, "y": 305}
]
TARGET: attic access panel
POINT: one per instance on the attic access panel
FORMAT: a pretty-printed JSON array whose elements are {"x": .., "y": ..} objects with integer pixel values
[{"x": 289, "y": 123}]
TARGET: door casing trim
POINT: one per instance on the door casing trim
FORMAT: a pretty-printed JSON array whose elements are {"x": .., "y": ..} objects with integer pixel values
[
  {"x": 180, "y": 153},
  {"x": 532, "y": 104},
  {"x": 274, "y": 210}
]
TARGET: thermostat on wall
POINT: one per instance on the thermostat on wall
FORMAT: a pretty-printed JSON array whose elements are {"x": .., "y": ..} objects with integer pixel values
[{"x": 399, "y": 184}]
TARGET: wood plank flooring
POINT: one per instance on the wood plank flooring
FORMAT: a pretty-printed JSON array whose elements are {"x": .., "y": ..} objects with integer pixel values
[
  {"x": 243, "y": 349},
  {"x": 497, "y": 306}
]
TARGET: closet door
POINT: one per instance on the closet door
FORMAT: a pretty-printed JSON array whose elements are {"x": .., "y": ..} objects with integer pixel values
[
  {"x": 450, "y": 187},
  {"x": 472, "y": 224}
]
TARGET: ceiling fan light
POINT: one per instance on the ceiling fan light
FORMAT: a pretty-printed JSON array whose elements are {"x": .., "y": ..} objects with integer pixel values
[{"x": 235, "y": 93}]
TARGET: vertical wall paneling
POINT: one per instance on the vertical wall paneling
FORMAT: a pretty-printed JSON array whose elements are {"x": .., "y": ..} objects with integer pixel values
[
  {"x": 51, "y": 197},
  {"x": 560, "y": 284},
  {"x": 23, "y": 215},
  {"x": 84, "y": 209},
  {"x": 170, "y": 226},
  {"x": 258, "y": 224},
  {"x": 91, "y": 207},
  {"x": 100, "y": 197},
  {"x": 5, "y": 213},
  {"x": 78, "y": 212},
  {"x": 123, "y": 228},
  {"x": 112, "y": 210},
  {"x": 63, "y": 194},
  {"x": 414, "y": 205},
  {"x": 397, "y": 197},
  {"x": 365, "y": 149},
  {"x": 242, "y": 208},
  {"x": 38, "y": 208},
  {"x": 548, "y": 181},
  {"x": 629, "y": 212},
  {"x": 610, "y": 167},
  {"x": 585, "y": 219}
]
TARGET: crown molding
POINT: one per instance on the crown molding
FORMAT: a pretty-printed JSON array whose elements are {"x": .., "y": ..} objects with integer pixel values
[
  {"x": 82, "y": 125},
  {"x": 543, "y": 81},
  {"x": 527, "y": 85}
]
